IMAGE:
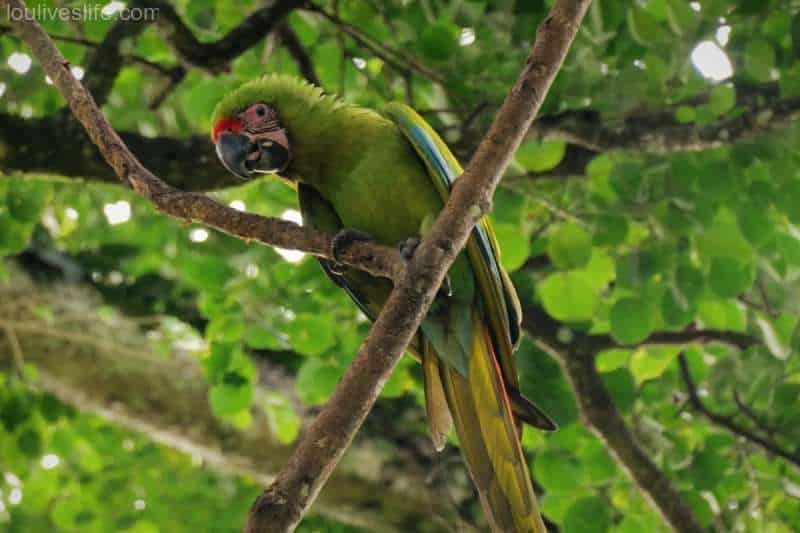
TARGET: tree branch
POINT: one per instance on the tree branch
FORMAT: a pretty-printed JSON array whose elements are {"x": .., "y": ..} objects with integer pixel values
[
  {"x": 132, "y": 58},
  {"x": 106, "y": 60},
  {"x": 395, "y": 58},
  {"x": 727, "y": 422},
  {"x": 691, "y": 335},
  {"x": 291, "y": 42},
  {"x": 659, "y": 132},
  {"x": 187, "y": 164},
  {"x": 282, "y": 506},
  {"x": 602, "y": 416},
  {"x": 214, "y": 56},
  {"x": 377, "y": 260}
]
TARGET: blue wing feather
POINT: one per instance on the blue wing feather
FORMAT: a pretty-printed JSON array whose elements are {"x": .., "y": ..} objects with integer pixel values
[{"x": 443, "y": 169}]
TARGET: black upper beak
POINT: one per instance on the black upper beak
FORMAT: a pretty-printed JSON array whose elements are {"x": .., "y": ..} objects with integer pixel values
[
  {"x": 243, "y": 157},
  {"x": 232, "y": 150}
]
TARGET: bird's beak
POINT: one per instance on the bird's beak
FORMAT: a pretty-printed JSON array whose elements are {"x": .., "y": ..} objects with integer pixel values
[{"x": 244, "y": 156}]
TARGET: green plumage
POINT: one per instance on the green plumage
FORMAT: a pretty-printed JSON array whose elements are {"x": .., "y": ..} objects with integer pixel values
[{"x": 388, "y": 175}]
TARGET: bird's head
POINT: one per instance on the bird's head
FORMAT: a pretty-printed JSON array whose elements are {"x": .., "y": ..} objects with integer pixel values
[{"x": 250, "y": 140}]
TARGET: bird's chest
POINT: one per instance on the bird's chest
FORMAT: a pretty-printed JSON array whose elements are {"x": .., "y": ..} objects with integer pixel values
[{"x": 388, "y": 205}]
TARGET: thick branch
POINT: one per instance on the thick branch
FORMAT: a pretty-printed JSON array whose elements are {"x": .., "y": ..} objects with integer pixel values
[
  {"x": 659, "y": 132},
  {"x": 282, "y": 506},
  {"x": 377, "y": 260},
  {"x": 188, "y": 164},
  {"x": 291, "y": 42},
  {"x": 214, "y": 56},
  {"x": 105, "y": 61},
  {"x": 727, "y": 422},
  {"x": 602, "y": 416}
]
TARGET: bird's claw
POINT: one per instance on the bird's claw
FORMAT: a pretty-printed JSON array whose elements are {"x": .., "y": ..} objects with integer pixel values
[
  {"x": 408, "y": 247},
  {"x": 341, "y": 241}
]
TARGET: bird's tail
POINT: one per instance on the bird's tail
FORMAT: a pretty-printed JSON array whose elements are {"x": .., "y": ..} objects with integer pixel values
[{"x": 489, "y": 438}]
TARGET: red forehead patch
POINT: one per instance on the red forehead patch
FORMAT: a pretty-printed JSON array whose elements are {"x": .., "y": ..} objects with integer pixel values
[{"x": 234, "y": 125}]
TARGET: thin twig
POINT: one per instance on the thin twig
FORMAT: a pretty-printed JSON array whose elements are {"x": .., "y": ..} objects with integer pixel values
[
  {"x": 291, "y": 42},
  {"x": 214, "y": 56},
  {"x": 391, "y": 56},
  {"x": 752, "y": 415},
  {"x": 16, "y": 350},
  {"x": 105, "y": 61},
  {"x": 727, "y": 422},
  {"x": 132, "y": 58}
]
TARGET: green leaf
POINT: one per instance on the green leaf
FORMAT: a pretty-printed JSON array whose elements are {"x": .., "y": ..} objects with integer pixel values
[
  {"x": 587, "y": 515},
  {"x": 30, "y": 442},
  {"x": 722, "y": 99},
  {"x": 610, "y": 230},
  {"x": 677, "y": 310},
  {"x": 14, "y": 235},
  {"x": 722, "y": 314},
  {"x": 723, "y": 238},
  {"x": 26, "y": 199},
  {"x": 569, "y": 246},
  {"x": 630, "y": 320},
  {"x": 557, "y": 470},
  {"x": 599, "y": 465},
  {"x": 316, "y": 380},
  {"x": 621, "y": 386},
  {"x": 568, "y": 296},
  {"x": 643, "y": 26},
  {"x": 729, "y": 277},
  {"x": 514, "y": 246},
  {"x": 651, "y": 361},
  {"x": 227, "y": 400},
  {"x": 708, "y": 467},
  {"x": 682, "y": 19},
  {"x": 685, "y": 114},
  {"x": 439, "y": 41},
  {"x": 262, "y": 338},
  {"x": 759, "y": 60},
  {"x": 541, "y": 157},
  {"x": 609, "y": 360},
  {"x": 600, "y": 167},
  {"x": 690, "y": 282},
  {"x": 283, "y": 420},
  {"x": 312, "y": 334},
  {"x": 755, "y": 224},
  {"x": 779, "y": 345}
]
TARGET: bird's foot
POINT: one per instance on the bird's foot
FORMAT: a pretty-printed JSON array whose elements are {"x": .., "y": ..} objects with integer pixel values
[
  {"x": 408, "y": 247},
  {"x": 341, "y": 241}
]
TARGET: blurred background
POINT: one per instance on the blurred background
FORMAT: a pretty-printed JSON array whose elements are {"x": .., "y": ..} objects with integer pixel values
[{"x": 154, "y": 375}]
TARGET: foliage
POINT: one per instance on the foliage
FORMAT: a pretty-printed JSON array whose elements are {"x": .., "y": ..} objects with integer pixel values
[{"x": 645, "y": 240}]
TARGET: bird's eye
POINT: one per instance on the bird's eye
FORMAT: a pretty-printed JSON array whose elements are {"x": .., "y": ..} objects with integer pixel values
[{"x": 261, "y": 111}]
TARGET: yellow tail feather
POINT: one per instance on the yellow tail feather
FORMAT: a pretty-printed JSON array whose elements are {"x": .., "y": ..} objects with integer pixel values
[{"x": 489, "y": 439}]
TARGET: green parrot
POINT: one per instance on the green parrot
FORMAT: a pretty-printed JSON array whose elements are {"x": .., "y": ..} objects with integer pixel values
[{"x": 359, "y": 173}]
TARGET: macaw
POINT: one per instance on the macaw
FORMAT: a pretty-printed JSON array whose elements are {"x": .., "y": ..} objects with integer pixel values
[{"x": 358, "y": 173}]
